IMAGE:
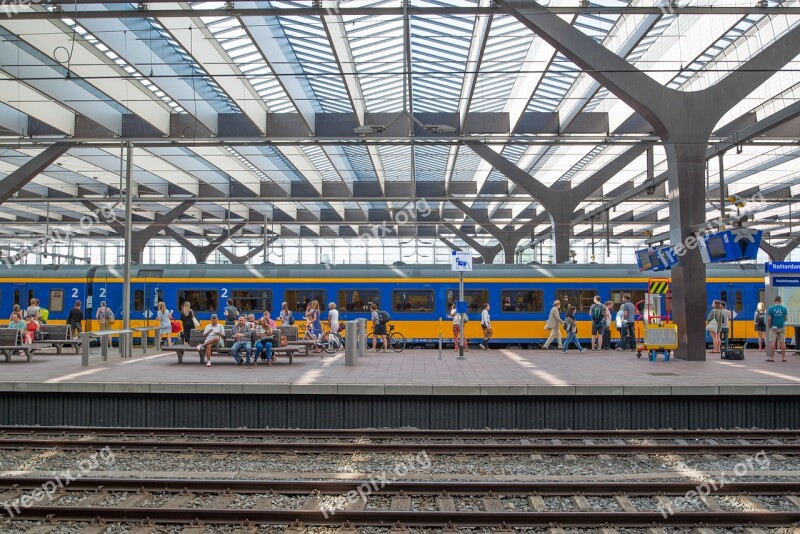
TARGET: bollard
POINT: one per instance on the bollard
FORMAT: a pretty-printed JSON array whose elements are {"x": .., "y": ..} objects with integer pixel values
[
  {"x": 351, "y": 349},
  {"x": 86, "y": 338},
  {"x": 362, "y": 337}
]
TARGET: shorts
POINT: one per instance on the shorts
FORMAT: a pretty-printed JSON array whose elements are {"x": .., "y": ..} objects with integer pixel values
[
  {"x": 380, "y": 329},
  {"x": 220, "y": 341},
  {"x": 598, "y": 329},
  {"x": 778, "y": 333},
  {"x": 761, "y": 328}
]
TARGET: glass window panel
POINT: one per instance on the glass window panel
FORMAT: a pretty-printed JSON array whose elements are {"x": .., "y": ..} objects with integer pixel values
[
  {"x": 522, "y": 300},
  {"x": 201, "y": 300},
  {"x": 582, "y": 299},
  {"x": 252, "y": 300},
  {"x": 138, "y": 300},
  {"x": 56, "y": 300},
  {"x": 636, "y": 295},
  {"x": 738, "y": 303},
  {"x": 357, "y": 300},
  {"x": 475, "y": 298},
  {"x": 298, "y": 299},
  {"x": 413, "y": 300}
]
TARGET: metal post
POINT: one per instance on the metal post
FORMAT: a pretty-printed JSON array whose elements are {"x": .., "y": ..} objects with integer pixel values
[
  {"x": 362, "y": 337},
  {"x": 126, "y": 290},
  {"x": 266, "y": 242},
  {"x": 463, "y": 323},
  {"x": 440, "y": 339},
  {"x": 351, "y": 349},
  {"x": 86, "y": 338},
  {"x": 721, "y": 188}
]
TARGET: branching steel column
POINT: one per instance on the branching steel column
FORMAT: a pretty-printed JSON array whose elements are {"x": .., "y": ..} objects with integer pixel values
[
  {"x": 508, "y": 238},
  {"x": 487, "y": 253},
  {"x": 684, "y": 122},
  {"x": 780, "y": 253},
  {"x": 240, "y": 260},
  {"x": 30, "y": 170},
  {"x": 201, "y": 253}
]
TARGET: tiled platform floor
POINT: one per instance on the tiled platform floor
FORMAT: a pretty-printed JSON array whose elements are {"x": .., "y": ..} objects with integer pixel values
[{"x": 416, "y": 372}]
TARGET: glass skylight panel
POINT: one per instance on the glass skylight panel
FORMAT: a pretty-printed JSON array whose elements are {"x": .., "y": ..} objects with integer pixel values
[
  {"x": 583, "y": 162},
  {"x": 431, "y": 162},
  {"x": 504, "y": 54},
  {"x": 439, "y": 50},
  {"x": 322, "y": 163},
  {"x": 466, "y": 163},
  {"x": 230, "y": 34},
  {"x": 360, "y": 162},
  {"x": 396, "y": 162},
  {"x": 127, "y": 67}
]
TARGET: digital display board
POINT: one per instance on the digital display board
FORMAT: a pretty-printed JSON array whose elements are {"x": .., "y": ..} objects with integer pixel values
[
  {"x": 716, "y": 248},
  {"x": 644, "y": 259}
]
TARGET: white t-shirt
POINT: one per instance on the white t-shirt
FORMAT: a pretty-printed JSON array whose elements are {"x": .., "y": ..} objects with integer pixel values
[
  {"x": 212, "y": 331},
  {"x": 485, "y": 318},
  {"x": 333, "y": 319}
]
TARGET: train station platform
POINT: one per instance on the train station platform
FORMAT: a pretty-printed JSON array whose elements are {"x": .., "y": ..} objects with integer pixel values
[{"x": 504, "y": 388}]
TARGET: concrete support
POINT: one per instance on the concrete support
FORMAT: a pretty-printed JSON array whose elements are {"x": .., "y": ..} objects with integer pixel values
[
  {"x": 780, "y": 253},
  {"x": 508, "y": 238},
  {"x": 201, "y": 253},
  {"x": 30, "y": 170},
  {"x": 488, "y": 254},
  {"x": 140, "y": 238},
  {"x": 684, "y": 121},
  {"x": 560, "y": 204}
]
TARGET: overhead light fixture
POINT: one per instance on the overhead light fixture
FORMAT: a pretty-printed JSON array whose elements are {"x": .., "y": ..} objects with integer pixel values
[
  {"x": 368, "y": 129},
  {"x": 737, "y": 201},
  {"x": 762, "y": 3}
]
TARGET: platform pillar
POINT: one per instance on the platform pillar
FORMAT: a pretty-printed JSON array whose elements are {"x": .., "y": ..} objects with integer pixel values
[
  {"x": 351, "y": 349},
  {"x": 126, "y": 290},
  {"x": 362, "y": 337}
]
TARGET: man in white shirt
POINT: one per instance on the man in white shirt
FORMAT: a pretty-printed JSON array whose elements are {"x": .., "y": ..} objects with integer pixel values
[
  {"x": 214, "y": 336},
  {"x": 486, "y": 325},
  {"x": 333, "y": 318}
]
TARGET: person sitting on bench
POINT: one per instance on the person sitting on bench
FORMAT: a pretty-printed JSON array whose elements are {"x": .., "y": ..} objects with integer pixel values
[
  {"x": 214, "y": 337},
  {"x": 243, "y": 335}
]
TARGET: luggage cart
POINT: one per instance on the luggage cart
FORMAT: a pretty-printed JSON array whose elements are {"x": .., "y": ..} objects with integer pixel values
[{"x": 660, "y": 334}]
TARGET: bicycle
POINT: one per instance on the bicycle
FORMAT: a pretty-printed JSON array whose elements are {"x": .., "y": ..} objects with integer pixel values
[
  {"x": 327, "y": 341},
  {"x": 397, "y": 341}
]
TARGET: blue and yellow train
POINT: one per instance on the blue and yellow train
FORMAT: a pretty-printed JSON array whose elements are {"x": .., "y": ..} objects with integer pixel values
[{"x": 418, "y": 297}]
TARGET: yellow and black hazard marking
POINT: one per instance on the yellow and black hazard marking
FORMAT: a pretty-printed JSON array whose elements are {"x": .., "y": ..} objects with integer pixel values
[{"x": 659, "y": 287}]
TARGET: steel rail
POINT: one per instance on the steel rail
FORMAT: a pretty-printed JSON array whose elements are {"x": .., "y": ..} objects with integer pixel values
[
  {"x": 408, "y": 518},
  {"x": 404, "y": 434},
  {"x": 395, "y": 487},
  {"x": 403, "y": 447}
]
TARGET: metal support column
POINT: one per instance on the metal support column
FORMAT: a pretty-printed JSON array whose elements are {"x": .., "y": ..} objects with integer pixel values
[
  {"x": 463, "y": 316},
  {"x": 721, "y": 187},
  {"x": 126, "y": 290}
]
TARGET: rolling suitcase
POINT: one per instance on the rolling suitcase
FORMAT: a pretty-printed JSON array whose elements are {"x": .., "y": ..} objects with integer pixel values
[
  {"x": 732, "y": 353},
  {"x": 607, "y": 338}
]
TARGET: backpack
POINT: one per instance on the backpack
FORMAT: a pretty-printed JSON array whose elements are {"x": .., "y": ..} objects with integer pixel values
[
  {"x": 384, "y": 317},
  {"x": 597, "y": 314},
  {"x": 109, "y": 315},
  {"x": 760, "y": 321},
  {"x": 44, "y": 314}
]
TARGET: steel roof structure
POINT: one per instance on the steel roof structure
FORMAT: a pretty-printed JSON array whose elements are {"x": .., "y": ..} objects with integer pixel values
[{"x": 416, "y": 119}]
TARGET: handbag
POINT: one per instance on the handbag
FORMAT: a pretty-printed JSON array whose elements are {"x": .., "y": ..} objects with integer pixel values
[
  {"x": 284, "y": 341},
  {"x": 176, "y": 326},
  {"x": 487, "y": 332},
  {"x": 713, "y": 326},
  {"x": 291, "y": 319},
  {"x": 195, "y": 322}
]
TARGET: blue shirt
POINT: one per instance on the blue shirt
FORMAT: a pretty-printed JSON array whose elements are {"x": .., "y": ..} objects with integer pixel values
[{"x": 777, "y": 315}]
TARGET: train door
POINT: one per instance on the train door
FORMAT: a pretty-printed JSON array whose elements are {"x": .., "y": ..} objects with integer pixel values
[
  {"x": 22, "y": 295},
  {"x": 734, "y": 296}
]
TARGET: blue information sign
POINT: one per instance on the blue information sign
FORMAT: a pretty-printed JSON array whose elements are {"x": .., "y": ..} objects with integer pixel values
[
  {"x": 785, "y": 281},
  {"x": 787, "y": 267}
]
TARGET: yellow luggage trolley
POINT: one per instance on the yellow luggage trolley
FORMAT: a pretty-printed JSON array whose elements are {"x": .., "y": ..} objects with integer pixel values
[{"x": 660, "y": 334}]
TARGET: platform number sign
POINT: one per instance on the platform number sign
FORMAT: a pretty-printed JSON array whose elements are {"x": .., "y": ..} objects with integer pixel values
[{"x": 462, "y": 262}]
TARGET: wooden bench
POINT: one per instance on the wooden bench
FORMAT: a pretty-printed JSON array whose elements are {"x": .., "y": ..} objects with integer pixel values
[
  {"x": 10, "y": 343},
  {"x": 58, "y": 335},
  {"x": 196, "y": 337}
]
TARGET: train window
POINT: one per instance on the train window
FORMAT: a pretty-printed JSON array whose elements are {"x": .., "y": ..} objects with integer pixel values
[
  {"x": 522, "y": 300},
  {"x": 413, "y": 300},
  {"x": 56, "y": 300},
  {"x": 357, "y": 299},
  {"x": 138, "y": 300},
  {"x": 16, "y": 297},
  {"x": 251, "y": 300},
  {"x": 723, "y": 295},
  {"x": 738, "y": 301},
  {"x": 201, "y": 300},
  {"x": 636, "y": 295},
  {"x": 475, "y": 298},
  {"x": 582, "y": 299},
  {"x": 298, "y": 299}
]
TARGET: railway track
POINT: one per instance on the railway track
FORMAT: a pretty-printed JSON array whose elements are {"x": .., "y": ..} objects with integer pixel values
[
  {"x": 396, "y": 506},
  {"x": 441, "y": 442}
]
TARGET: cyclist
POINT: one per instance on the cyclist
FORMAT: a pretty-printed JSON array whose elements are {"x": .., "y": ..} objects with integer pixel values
[{"x": 378, "y": 329}]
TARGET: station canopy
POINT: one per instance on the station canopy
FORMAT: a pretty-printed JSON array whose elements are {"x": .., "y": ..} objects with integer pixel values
[{"x": 323, "y": 120}]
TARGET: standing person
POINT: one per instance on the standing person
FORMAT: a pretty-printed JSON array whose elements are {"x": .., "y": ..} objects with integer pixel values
[
  {"x": 33, "y": 308},
  {"x": 378, "y": 328},
  {"x": 333, "y": 318},
  {"x": 105, "y": 317},
  {"x": 164, "y": 318},
  {"x": 243, "y": 339},
  {"x": 75, "y": 319},
  {"x": 726, "y": 321},
  {"x": 486, "y": 326},
  {"x": 607, "y": 332},
  {"x": 714, "y": 328},
  {"x": 760, "y": 322},
  {"x": 457, "y": 326},
  {"x": 314, "y": 325},
  {"x": 598, "y": 314},
  {"x": 187, "y": 320},
  {"x": 286, "y": 317},
  {"x": 214, "y": 337},
  {"x": 776, "y": 323},
  {"x": 628, "y": 322},
  {"x": 265, "y": 341},
  {"x": 553, "y": 324},
  {"x": 571, "y": 325},
  {"x": 231, "y": 313}
]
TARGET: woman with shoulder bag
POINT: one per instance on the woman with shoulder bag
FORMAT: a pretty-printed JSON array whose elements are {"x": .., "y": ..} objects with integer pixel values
[
  {"x": 571, "y": 326},
  {"x": 714, "y": 325},
  {"x": 760, "y": 322},
  {"x": 164, "y": 318},
  {"x": 286, "y": 317},
  {"x": 189, "y": 321}
]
